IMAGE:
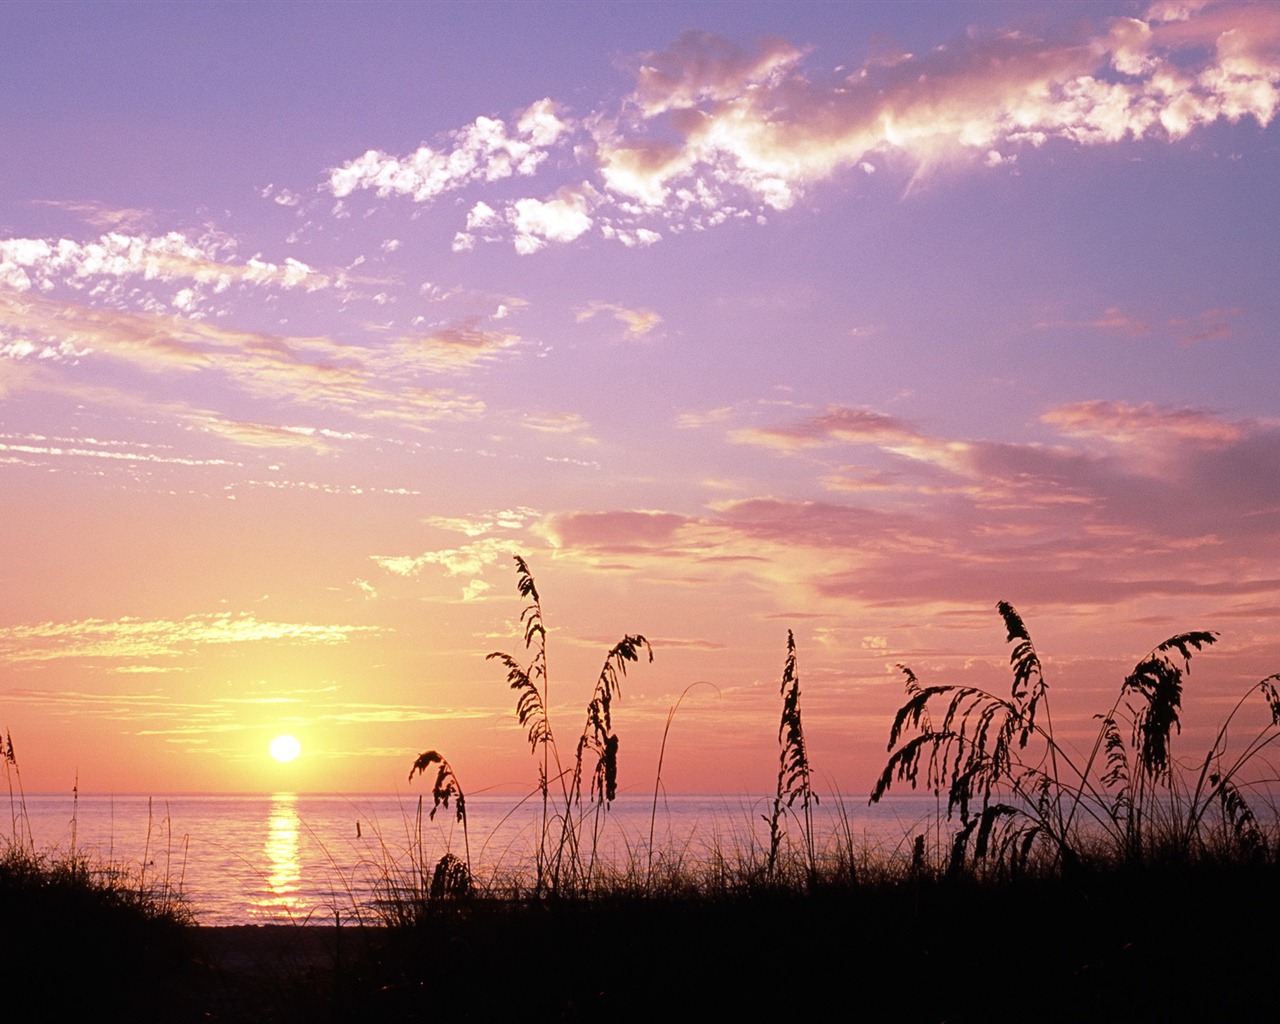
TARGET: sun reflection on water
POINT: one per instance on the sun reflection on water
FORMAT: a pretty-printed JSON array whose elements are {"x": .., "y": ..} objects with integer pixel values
[{"x": 280, "y": 897}]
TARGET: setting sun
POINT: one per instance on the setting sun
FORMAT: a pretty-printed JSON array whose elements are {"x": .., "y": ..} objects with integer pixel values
[{"x": 285, "y": 748}]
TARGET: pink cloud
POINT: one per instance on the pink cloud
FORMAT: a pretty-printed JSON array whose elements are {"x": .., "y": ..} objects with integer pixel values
[
  {"x": 700, "y": 66},
  {"x": 714, "y": 132},
  {"x": 1210, "y": 325},
  {"x": 458, "y": 346},
  {"x": 397, "y": 382},
  {"x": 1122, "y": 423},
  {"x": 1134, "y": 500},
  {"x": 613, "y": 531},
  {"x": 838, "y": 424},
  {"x": 755, "y": 121}
]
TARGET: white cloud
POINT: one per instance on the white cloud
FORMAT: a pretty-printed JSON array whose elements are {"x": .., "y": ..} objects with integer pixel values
[
  {"x": 555, "y": 422},
  {"x": 58, "y": 352},
  {"x": 561, "y": 219},
  {"x": 484, "y": 150},
  {"x": 89, "y": 449},
  {"x": 38, "y": 264},
  {"x": 712, "y": 119},
  {"x": 713, "y": 132},
  {"x": 482, "y": 215},
  {"x": 540, "y": 124},
  {"x": 485, "y": 522},
  {"x": 470, "y": 560}
]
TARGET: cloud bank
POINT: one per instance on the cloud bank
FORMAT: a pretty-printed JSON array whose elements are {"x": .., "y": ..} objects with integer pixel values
[
  {"x": 1130, "y": 500},
  {"x": 713, "y": 131}
]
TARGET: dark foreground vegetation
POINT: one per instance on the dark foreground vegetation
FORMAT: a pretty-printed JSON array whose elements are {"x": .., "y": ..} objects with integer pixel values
[
  {"x": 1116, "y": 883},
  {"x": 1176, "y": 944},
  {"x": 75, "y": 939}
]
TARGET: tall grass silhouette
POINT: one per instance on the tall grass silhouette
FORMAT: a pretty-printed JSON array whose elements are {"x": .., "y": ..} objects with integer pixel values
[
  {"x": 794, "y": 777},
  {"x": 451, "y": 876},
  {"x": 1020, "y": 796},
  {"x": 20, "y": 831},
  {"x": 1027, "y": 810},
  {"x": 560, "y": 862}
]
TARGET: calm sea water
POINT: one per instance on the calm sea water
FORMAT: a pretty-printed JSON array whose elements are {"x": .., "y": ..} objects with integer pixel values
[{"x": 304, "y": 858}]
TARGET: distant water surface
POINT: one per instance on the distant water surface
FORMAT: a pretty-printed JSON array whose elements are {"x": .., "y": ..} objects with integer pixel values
[{"x": 246, "y": 859}]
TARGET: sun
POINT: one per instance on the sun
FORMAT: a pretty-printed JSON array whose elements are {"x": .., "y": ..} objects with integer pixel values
[{"x": 285, "y": 748}]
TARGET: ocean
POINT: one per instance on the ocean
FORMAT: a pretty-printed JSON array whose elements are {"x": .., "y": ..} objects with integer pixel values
[{"x": 314, "y": 859}]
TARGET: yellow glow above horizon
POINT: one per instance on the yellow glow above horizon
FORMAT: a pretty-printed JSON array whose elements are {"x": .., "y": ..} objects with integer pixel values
[{"x": 285, "y": 748}]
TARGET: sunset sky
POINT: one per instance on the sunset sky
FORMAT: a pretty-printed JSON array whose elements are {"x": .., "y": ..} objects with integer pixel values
[{"x": 849, "y": 319}]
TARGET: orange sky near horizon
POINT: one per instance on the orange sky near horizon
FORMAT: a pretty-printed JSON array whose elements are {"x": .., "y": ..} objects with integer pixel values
[{"x": 851, "y": 320}]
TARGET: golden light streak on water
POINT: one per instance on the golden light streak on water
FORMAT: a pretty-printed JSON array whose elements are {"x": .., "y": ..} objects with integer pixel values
[{"x": 284, "y": 861}]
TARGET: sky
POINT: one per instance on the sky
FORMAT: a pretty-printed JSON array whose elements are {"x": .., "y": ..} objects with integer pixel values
[{"x": 732, "y": 319}]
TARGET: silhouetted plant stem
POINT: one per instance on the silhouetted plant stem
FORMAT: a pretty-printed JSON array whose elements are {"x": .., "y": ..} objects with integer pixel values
[
  {"x": 657, "y": 779},
  {"x": 793, "y": 769},
  {"x": 1009, "y": 806},
  {"x": 445, "y": 788},
  {"x": 1029, "y": 683},
  {"x": 532, "y": 685},
  {"x": 1106, "y": 729},
  {"x": 1222, "y": 786},
  {"x": 598, "y": 736},
  {"x": 20, "y": 823}
]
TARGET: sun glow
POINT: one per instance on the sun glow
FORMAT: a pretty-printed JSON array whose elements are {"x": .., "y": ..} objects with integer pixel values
[{"x": 285, "y": 749}]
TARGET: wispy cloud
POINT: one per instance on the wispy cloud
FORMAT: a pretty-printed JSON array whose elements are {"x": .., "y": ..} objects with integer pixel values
[
  {"x": 470, "y": 561},
  {"x": 838, "y": 424},
  {"x": 162, "y": 714},
  {"x": 455, "y": 346},
  {"x": 1121, "y": 424},
  {"x": 1208, "y": 325},
  {"x": 1130, "y": 499},
  {"x": 109, "y": 269},
  {"x": 494, "y": 537},
  {"x": 397, "y": 381},
  {"x": 485, "y": 522},
  {"x": 638, "y": 322},
  {"x": 92, "y": 448},
  {"x": 100, "y": 215},
  {"x": 319, "y": 487},
  {"x": 618, "y": 532},
  {"x": 556, "y": 423},
  {"x": 133, "y": 638}
]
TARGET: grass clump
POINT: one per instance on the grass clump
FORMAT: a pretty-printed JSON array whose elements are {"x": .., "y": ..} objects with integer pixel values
[
  {"x": 561, "y": 862},
  {"x": 1024, "y": 800},
  {"x": 89, "y": 939}
]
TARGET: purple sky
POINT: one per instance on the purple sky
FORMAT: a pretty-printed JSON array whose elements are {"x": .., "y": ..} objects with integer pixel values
[{"x": 732, "y": 318}]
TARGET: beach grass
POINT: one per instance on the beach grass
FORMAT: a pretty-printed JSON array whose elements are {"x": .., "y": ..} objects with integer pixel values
[
  {"x": 1121, "y": 884},
  {"x": 83, "y": 939}
]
